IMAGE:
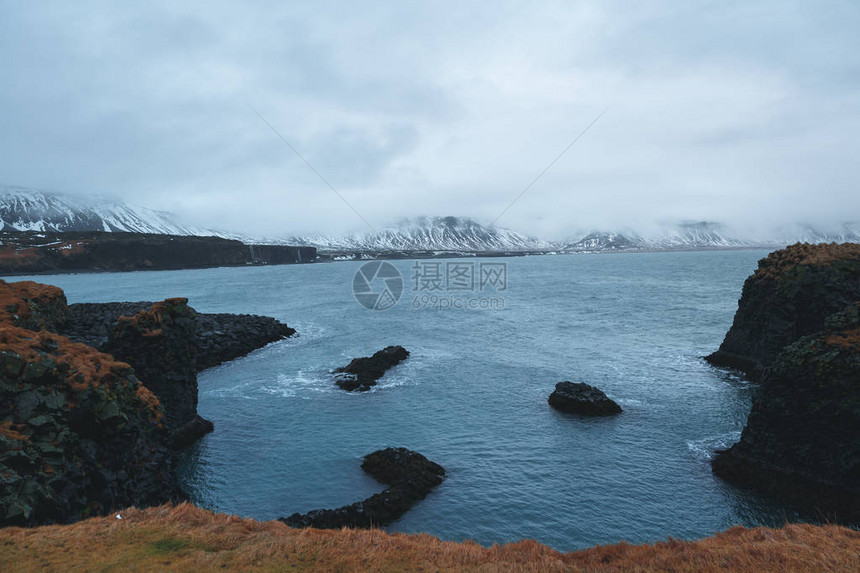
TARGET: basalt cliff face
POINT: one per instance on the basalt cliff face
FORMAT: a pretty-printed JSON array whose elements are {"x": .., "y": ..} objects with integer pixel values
[
  {"x": 159, "y": 343},
  {"x": 787, "y": 297},
  {"x": 79, "y": 433},
  {"x": 802, "y": 438}
]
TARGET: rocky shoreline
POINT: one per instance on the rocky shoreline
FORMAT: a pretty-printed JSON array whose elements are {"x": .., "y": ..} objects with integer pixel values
[
  {"x": 31, "y": 252},
  {"x": 86, "y": 430},
  {"x": 219, "y": 337}
]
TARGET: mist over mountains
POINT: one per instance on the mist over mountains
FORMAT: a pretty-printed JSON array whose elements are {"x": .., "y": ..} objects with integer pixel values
[{"x": 23, "y": 209}]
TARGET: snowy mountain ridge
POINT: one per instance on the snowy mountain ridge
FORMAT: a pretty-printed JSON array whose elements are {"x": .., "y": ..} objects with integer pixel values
[
  {"x": 430, "y": 234},
  {"x": 23, "y": 209}
]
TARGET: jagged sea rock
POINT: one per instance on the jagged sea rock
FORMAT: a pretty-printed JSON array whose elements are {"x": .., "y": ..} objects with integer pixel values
[
  {"x": 789, "y": 296},
  {"x": 362, "y": 373},
  {"x": 410, "y": 477},
  {"x": 580, "y": 398}
]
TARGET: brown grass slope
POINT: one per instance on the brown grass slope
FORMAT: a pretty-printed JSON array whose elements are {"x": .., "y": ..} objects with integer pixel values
[{"x": 187, "y": 538}]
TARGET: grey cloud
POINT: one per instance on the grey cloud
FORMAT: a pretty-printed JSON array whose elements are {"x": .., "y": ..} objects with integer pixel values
[{"x": 741, "y": 112}]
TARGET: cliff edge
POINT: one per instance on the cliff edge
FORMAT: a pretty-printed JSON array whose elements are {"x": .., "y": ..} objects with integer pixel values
[{"x": 797, "y": 329}]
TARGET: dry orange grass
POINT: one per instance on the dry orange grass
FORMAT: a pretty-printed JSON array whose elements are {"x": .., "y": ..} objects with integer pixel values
[
  {"x": 187, "y": 538},
  {"x": 779, "y": 262}
]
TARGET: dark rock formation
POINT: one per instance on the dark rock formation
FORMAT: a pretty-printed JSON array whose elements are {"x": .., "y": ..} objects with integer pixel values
[
  {"x": 362, "y": 373},
  {"x": 223, "y": 337},
  {"x": 798, "y": 330},
  {"x": 79, "y": 434},
  {"x": 159, "y": 343},
  {"x": 93, "y": 323},
  {"x": 218, "y": 337},
  {"x": 410, "y": 477},
  {"x": 579, "y": 398},
  {"x": 190, "y": 432},
  {"x": 788, "y": 297},
  {"x": 24, "y": 252},
  {"x": 802, "y": 438}
]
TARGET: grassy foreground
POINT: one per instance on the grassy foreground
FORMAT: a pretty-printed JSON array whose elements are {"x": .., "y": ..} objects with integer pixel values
[{"x": 187, "y": 538}]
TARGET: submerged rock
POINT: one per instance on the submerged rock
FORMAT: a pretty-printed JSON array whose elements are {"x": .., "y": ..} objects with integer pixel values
[
  {"x": 579, "y": 398},
  {"x": 410, "y": 477},
  {"x": 362, "y": 373},
  {"x": 787, "y": 297}
]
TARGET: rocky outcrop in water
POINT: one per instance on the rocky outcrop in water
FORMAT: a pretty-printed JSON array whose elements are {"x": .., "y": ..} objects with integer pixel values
[
  {"x": 79, "y": 434},
  {"x": 223, "y": 337},
  {"x": 361, "y": 374},
  {"x": 789, "y": 296},
  {"x": 801, "y": 442},
  {"x": 579, "y": 398},
  {"x": 410, "y": 477},
  {"x": 218, "y": 337}
]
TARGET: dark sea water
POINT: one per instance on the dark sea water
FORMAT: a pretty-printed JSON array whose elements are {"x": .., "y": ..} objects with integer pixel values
[{"x": 472, "y": 397}]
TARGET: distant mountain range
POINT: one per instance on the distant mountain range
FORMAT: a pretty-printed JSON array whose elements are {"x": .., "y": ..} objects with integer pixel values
[
  {"x": 430, "y": 234},
  {"x": 25, "y": 209}
]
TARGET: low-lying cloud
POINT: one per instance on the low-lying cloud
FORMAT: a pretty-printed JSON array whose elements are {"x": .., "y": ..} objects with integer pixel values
[{"x": 734, "y": 112}]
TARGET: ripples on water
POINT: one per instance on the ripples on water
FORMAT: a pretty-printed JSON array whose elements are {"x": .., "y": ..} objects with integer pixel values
[{"x": 473, "y": 397}]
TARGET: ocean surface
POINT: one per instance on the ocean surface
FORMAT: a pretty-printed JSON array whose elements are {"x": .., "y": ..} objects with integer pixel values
[{"x": 473, "y": 394}]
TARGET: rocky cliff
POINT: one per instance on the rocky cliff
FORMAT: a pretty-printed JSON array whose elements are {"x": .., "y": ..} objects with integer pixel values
[
  {"x": 801, "y": 442},
  {"x": 159, "y": 343},
  {"x": 789, "y": 296},
  {"x": 79, "y": 434}
]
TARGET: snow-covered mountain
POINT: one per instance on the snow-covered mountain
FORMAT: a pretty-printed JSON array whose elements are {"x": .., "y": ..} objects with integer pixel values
[
  {"x": 26, "y": 209},
  {"x": 430, "y": 234},
  {"x": 688, "y": 235},
  {"x": 23, "y": 209}
]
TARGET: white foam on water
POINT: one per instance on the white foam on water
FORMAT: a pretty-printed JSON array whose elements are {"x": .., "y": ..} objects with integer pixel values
[
  {"x": 242, "y": 390},
  {"x": 303, "y": 384},
  {"x": 704, "y": 448}
]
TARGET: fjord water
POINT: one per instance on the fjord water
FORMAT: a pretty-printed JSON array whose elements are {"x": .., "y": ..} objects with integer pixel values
[{"x": 473, "y": 397}]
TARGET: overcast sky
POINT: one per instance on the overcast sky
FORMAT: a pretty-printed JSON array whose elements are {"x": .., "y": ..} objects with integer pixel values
[{"x": 741, "y": 112}]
